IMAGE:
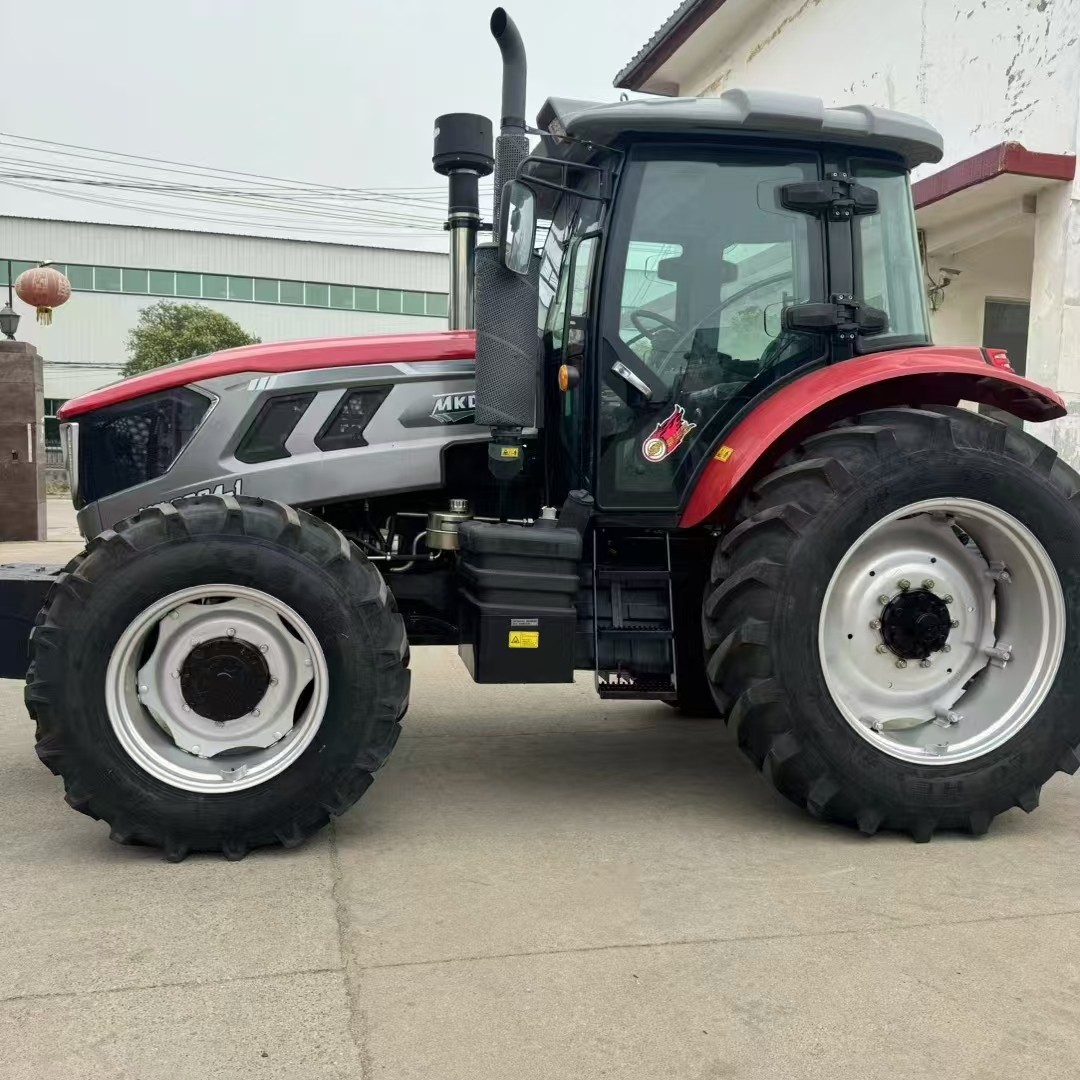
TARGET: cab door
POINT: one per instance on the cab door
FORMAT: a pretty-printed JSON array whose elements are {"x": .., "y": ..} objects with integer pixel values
[{"x": 701, "y": 260}]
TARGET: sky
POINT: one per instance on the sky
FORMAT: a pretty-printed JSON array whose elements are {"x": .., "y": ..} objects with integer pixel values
[{"x": 331, "y": 92}]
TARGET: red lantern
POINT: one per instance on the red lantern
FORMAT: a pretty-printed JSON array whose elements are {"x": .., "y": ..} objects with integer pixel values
[{"x": 43, "y": 287}]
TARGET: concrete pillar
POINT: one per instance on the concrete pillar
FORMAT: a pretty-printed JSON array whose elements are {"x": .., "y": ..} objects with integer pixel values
[
  {"x": 1054, "y": 330},
  {"x": 22, "y": 443}
]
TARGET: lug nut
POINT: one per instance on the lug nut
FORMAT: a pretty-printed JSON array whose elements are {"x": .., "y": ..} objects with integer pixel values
[
  {"x": 901, "y": 663},
  {"x": 143, "y": 689},
  {"x": 187, "y": 708},
  {"x": 883, "y": 599},
  {"x": 194, "y": 749},
  {"x": 176, "y": 674},
  {"x": 882, "y": 648},
  {"x": 928, "y": 583},
  {"x": 946, "y": 647},
  {"x": 254, "y": 712},
  {"x": 273, "y": 680},
  {"x": 875, "y": 624},
  {"x": 955, "y": 623},
  {"x": 903, "y": 584},
  {"x": 924, "y": 663},
  {"x": 174, "y": 614},
  {"x": 947, "y": 598},
  {"x": 231, "y": 631},
  {"x": 264, "y": 648},
  {"x": 277, "y": 734}
]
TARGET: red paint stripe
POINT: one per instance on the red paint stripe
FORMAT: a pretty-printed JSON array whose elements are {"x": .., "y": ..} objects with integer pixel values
[
  {"x": 283, "y": 356},
  {"x": 1005, "y": 158}
]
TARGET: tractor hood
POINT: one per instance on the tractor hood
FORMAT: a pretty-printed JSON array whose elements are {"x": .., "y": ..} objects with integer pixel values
[{"x": 282, "y": 356}]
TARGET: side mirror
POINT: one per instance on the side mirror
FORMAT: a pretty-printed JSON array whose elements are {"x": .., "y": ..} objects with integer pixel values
[{"x": 517, "y": 226}]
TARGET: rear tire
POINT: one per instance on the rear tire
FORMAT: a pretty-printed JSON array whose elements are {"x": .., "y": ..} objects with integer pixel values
[
  {"x": 763, "y": 613},
  {"x": 123, "y": 767}
]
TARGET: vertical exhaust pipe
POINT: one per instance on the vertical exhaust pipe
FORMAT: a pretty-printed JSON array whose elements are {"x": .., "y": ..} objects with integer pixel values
[
  {"x": 512, "y": 146},
  {"x": 507, "y": 341},
  {"x": 462, "y": 154}
]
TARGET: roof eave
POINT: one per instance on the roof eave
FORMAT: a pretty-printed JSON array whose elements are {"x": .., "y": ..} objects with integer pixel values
[{"x": 663, "y": 45}]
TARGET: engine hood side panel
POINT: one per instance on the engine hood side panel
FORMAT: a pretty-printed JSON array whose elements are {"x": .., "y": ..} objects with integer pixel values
[{"x": 427, "y": 407}]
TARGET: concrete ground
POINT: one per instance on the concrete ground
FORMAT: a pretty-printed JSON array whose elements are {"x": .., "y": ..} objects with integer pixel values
[{"x": 539, "y": 885}]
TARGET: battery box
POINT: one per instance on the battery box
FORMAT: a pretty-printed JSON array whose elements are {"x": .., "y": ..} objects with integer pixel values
[{"x": 518, "y": 613}]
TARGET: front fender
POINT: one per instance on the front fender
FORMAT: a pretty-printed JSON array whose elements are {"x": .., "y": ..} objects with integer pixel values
[{"x": 934, "y": 375}]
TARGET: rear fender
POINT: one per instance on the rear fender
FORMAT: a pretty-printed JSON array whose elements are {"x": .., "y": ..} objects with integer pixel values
[{"x": 926, "y": 376}]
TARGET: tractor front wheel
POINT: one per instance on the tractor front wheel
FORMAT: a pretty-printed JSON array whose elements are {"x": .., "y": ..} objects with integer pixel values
[
  {"x": 217, "y": 674},
  {"x": 888, "y": 620}
]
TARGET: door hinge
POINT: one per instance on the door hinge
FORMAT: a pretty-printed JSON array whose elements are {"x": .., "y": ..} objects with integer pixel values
[
  {"x": 844, "y": 317},
  {"x": 837, "y": 197}
]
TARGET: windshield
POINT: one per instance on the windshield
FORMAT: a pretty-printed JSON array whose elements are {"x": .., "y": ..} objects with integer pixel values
[
  {"x": 888, "y": 268},
  {"x": 712, "y": 259}
]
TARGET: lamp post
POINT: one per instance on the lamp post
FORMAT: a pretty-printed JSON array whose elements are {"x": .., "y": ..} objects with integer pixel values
[{"x": 9, "y": 317}]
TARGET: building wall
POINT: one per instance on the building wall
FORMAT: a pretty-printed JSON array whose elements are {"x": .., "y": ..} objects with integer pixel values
[
  {"x": 999, "y": 269},
  {"x": 306, "y": 289},
  {"x": 982, "y": 71}
]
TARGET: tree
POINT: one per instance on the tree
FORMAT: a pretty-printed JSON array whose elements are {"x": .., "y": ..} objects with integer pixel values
[{"x": 167, "y": 332}]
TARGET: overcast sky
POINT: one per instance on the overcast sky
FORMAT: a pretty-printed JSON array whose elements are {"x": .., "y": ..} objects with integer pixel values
[{"x": 339, "y": 92}]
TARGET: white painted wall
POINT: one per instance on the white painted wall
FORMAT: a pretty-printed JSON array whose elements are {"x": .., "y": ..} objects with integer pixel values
[
  {"x": 982, "y": 71},
  {"x": 999, "y": 269}
]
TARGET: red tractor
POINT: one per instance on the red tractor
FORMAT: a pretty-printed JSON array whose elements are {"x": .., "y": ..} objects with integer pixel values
[{"x": 707, "y": 451}]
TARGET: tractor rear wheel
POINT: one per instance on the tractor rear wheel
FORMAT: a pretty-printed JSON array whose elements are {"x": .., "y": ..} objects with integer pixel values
[
  {"x": 217, "y": 674},
  {"x": 888, "y": 617}
]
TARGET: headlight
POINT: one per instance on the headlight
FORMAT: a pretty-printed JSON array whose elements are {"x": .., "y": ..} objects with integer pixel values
[{"x": 123, "y": 445}]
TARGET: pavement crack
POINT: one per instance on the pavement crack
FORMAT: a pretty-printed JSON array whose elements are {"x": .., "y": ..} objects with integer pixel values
[
  {"x": 350, "y": 971},
  {"x": 167, "y": 984},
  {"x": 750, "y": 938}
]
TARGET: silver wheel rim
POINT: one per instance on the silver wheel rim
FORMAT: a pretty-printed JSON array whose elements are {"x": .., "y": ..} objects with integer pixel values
[
  {"x": 1005, "y": 638},
  {"x": 169, "y": 739}
]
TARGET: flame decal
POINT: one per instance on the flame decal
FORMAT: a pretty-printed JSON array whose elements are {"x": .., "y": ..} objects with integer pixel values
[{"x": 667, "y": 436}]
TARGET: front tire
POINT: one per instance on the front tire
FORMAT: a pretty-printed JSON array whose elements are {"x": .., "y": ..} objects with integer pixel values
[
  {"x": 898, "y": 710},
  {"x": 217, "y": 674}
]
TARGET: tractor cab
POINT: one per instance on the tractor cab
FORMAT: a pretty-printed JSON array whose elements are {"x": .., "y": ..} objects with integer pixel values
[{"x": 699, "y": 254}]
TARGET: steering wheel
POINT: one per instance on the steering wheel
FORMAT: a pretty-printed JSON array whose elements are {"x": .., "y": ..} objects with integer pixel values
[{"x": 637, "y": 317}]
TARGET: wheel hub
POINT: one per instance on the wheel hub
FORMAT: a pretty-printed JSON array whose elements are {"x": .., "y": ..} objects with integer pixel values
[
  {"x": 224, "y": 678},
  {"x": 948, "y": 670},
  {"x": 915, "y": 624}
]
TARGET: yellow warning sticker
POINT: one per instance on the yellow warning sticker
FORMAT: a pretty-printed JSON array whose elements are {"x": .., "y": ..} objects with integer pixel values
[
  {"x": 724, "y": 453},
  {"x": 524, "y": 639},
  {"x": 509, "y": 451}
]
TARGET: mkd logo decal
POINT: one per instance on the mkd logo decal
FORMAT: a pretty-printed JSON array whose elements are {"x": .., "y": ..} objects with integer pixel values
[
  {"x": 454, "y": 408},
  {"x": 667, "y": 436}
]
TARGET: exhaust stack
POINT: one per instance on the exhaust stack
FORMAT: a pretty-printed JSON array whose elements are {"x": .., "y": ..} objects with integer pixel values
[
  {"x": 512, "y": 146},
  {"x": 463, "y": 155}
]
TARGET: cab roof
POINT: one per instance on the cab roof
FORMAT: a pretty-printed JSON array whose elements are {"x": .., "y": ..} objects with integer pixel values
[{"x": 766, "y": 112}]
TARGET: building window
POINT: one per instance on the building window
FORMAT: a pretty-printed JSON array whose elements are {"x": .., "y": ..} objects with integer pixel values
[
  {"x": 291, "y": 292},
  {"x": 134, "y": 281},
  {"x": 215, "y": 287},
  {"x": 316, "y": 295},
  {"x": 107, "y": 279},
  {"x": 266, "y": 292},
  {"x": 163, "y": 282},
  {"x": 81, "y": 277},
  {"x": 240, "y": 288},
  {"x": 139, "y": 282},
  {"x": 390, "y": 300},
  {"x": 341, "y": 296}
]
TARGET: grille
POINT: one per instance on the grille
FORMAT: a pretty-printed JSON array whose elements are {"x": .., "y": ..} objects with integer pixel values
[{"x": 135, "y": 441}]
